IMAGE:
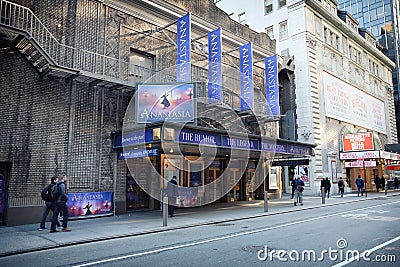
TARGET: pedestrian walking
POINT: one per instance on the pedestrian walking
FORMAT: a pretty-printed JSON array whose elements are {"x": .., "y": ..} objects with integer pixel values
[
  {"x": 293, "y": 187},
  {"x": 377, "y": 182},
  {"x": 396, "y": 183},
  {"x": 327, "y": 187},
  {"x": 382, "y": 184},
  {"x": 172, "y": 192},
  {"x": 60, "y": 194},
  {"x": 323, "y": 186},
  {"x": 341, "y": 186},
  {"x": 360, "y": 185},
  {"x": 298, "y": 192},
  {"x": 50, "y": 203}
]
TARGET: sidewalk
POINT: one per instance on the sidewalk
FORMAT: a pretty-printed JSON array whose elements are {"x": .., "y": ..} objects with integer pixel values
[{"x": 24, "y": 238}]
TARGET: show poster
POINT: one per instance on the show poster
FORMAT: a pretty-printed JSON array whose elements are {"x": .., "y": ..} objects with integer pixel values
[
  {"x": 165, "y": 102},
  {"x": 302, "y": 171},
  {"x": 187, "y": 196},
  {"x": 90, "y": 204}
]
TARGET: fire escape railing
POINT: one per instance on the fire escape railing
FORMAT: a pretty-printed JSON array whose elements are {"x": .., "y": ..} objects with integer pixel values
[{"x": 22, "y": 19}]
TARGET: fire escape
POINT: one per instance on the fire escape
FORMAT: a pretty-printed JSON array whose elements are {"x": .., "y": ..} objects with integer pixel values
[{"x": 20, "y": 27}]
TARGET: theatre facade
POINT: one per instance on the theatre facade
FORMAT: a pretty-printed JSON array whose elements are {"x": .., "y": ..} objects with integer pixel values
[{"x": 119, "y": 95}]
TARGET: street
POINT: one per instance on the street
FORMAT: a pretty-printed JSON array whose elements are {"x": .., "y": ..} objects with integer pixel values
[{"x": 329, "y": 236}]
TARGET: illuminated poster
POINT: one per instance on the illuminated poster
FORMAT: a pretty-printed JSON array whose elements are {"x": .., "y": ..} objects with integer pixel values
[
  {"x": 90, "y": 204},
  {"x": 358, "y": 142},
  {"x": 165, "y": 102},
  {"x": 187, "y": 196},
  {"x": 302, "y": 172}
]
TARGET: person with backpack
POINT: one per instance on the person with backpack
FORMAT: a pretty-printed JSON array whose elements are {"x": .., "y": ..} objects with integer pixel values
[
  {"x": 50, "y": 203},
  {"x": 59, "y": 192},
  {"x": 298, "y": 192}
]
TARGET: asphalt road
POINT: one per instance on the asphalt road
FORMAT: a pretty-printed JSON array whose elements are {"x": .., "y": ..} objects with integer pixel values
[{"x": 329, "y": 236}]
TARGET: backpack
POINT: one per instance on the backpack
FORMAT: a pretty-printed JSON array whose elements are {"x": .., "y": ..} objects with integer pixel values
[
  {"x": 45, "y": 193},
  {"x": 340, "y": 184},
  {"x": 56, "y": 191}
]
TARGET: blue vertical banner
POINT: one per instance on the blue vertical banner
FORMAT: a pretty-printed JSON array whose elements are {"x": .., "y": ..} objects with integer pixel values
[
  {"x": 271, "y": 85},
  {"x": 246, "y": 77},
  {"x": 215, "y": 66},
  {"x": 183, "y": 49}
]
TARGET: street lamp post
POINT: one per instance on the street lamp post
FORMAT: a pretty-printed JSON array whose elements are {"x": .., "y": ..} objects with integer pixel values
[
  {"x": 365, "y": 178},
  {"x": 360, "y": 156}
]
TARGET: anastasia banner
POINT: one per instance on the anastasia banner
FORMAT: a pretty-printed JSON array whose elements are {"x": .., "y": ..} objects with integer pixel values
[
  {"x": 214, "y": 66},
  {"x": 246, "y": 77},
  {"x": 90, "y": 204},
  {"x": 183, "y": 49},
  {"x": 271, "y": 85}
]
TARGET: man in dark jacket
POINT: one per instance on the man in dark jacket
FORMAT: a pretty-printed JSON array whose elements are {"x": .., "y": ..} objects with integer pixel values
[
  {"x": 61, "y": 205},
  {"x": 298, "y": 192},
  {"x": 383, "y": 182},
  {"x": 327, "y": 187},
  {"x": 360, "y": 186},
  {"x": 172, "y": 193},
  {"x": 50, "y": 204},
  {"x": 323, "y": 186},
  {"x": 377, "y": 182}
]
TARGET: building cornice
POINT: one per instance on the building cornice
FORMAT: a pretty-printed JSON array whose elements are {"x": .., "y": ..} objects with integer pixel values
[{"x": 341, "y": 25}]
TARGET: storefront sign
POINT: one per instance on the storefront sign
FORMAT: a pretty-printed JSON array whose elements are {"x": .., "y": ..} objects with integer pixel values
[
  {"x": 215, "y": 66},
  {"x": 359, "y": 164},
  {"x": 290, "y": 162},
  {"x": 246, "y": 77},
  {"x": 356, "y": 155},
  {"x": 134, "y": 138},
  {"x": 271, "y": 85},
  {"x": 389, "y": 155},
  {"x": 358, "y": 142},
  {"x": 393, "y": 167},
  {"x": 90, "y": 204},
  {"x": 197, "y": 137},
  {"x": 272, "y": 147},
  {"x": 183, "y": 71},
  {"x": 236, "y": 142},
  {"x": 345, "y": 102},
  {"x": 298, "y": 150},
  {"x": 138, "y": 153},
  {"x": 165, "y": 102}
]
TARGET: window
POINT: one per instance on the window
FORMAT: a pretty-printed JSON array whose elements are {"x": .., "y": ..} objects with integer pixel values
[
  {"x": 267, "y": 6},
  {"x": 281, "y": 3},
  {"x": 270, "y": 32},
  {"x": 283, "y": 30}
]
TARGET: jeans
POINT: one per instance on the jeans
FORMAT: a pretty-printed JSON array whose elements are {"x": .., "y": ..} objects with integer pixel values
[
  {"x": 341, "y": 191},
  {"x": 50, "y": 206},
  {"x": 360, "y": 189},
  {"x": 298, "y": 195},
  {"x": 60, "y": 207}
]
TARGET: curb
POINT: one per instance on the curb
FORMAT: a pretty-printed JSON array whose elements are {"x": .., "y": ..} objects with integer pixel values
[{"x": 171, "y": 228}]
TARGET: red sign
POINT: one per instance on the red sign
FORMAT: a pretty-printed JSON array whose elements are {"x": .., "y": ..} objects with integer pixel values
[
  {"x": 358, "y": 142},
  {"x": 393, "y": 167}
]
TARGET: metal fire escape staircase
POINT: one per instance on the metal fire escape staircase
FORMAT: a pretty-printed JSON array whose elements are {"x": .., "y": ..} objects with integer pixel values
[{"x": 20, "y": 27}]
